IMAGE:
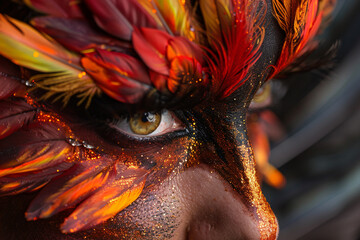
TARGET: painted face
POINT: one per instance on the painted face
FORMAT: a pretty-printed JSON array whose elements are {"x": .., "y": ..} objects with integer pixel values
[{"x": 130, "y": 121}]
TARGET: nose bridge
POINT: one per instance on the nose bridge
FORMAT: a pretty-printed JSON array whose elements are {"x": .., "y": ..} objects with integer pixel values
[{"x": 229, "y": 153}]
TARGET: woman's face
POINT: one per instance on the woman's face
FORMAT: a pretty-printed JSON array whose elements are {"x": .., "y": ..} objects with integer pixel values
[{"x": 193, "y": 178}]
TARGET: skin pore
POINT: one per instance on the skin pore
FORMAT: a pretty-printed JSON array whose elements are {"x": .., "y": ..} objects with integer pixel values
[{"x": 203, "y": 185}]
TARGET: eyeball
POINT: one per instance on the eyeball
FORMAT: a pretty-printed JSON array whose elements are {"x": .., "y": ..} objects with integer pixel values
[{"x": 147, "y": 124}]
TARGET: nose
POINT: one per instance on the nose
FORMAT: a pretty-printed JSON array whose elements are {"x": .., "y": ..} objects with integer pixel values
[
  {"x": 213, "y": 210},
  {"x": 240, "y": 207}
]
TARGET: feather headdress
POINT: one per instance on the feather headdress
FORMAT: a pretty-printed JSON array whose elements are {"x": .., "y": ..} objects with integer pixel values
[{"x": 136, "y": 47}]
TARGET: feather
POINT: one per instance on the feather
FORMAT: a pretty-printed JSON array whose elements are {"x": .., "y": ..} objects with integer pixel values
[
  {"x": 301, "y": 21},
  {"x": 32, "y": 181},
  {"x": 9, "y": 85},
  {"x": 120, "y": 76},
  {"x": 173, "y": 15},
  {"x": 118, "y": 17},
  {"x": 217, "y": 18},
  {"x": 83, "y": 36},
  {"x": 230, "y": 61},
  {"x": 32, "y": 156},
  {"x": 68, "y": 190},
  {"x": 176, "y": 62},
  {"x": 59, "y": 8},
  {"x": 9, "y": 78},
  {"x": 38, "y": 146},
  {"x": 26, "y": 47},
  {"x": 14, "y": 115},
  {"x": 151, "y": 45},
  {"x": 124, "y": 185}
]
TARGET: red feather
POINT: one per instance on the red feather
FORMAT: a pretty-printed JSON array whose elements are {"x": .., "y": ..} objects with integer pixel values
[
  {"x": 71, "y": 188},
  {"x": 25, "y": 182},
  {"x": 121, "y": 76},
  {"x": 16, "y": 113},
  {"x": 58, "y": 8},
  {"x": 9, "y": 78},
  {"x": 9, "y": 85},
  {"x": 122, "y": 187},
  {"x": 118, "y": 17},
  {"x": 32, "y": 156},
  {"x": 38, "y": 146},
  {"x": 83, "y": 35},
  {"x": 151, "y": 45},
  {"x": 301, "y": 21},
  {"x": 229, "y": 60}
]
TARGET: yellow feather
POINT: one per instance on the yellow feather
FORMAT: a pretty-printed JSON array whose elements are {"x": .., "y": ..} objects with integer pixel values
[
  {"x": 217, "y": 16},
  {"x": 64, "y": 77},
  {"x": 27, "y": 47}
]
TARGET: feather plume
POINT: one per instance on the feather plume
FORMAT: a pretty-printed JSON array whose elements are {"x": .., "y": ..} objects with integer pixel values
[
  {"x": 229, "y": 61},
  {"x": 26, "y": 47},
  {"x": 301, "y": 21},
  {"x": 39, "y": 155}
]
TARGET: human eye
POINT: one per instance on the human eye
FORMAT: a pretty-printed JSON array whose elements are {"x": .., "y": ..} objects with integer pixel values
[
  {"x": 145, "y": 125},
  {"x": 262, "y": 97}
]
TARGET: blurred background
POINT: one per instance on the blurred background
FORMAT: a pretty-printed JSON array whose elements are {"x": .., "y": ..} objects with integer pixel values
[{"x": 319, "y": 153}]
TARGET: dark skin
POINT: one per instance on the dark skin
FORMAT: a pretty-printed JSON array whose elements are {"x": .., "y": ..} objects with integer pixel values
[{"x": 208, "y": 199}]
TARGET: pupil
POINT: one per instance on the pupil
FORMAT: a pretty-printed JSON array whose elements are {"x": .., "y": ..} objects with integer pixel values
[{"x": 148, "y": 117}]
